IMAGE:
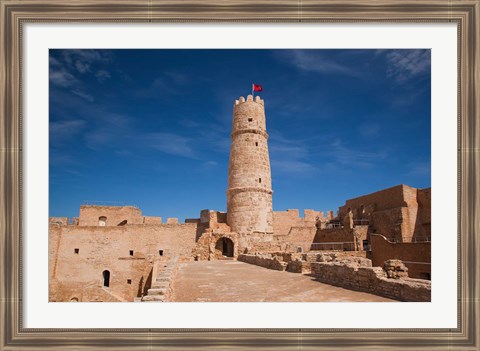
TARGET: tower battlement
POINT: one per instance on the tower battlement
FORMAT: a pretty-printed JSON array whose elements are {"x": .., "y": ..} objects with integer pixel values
[{"x": 250, "y": 98}]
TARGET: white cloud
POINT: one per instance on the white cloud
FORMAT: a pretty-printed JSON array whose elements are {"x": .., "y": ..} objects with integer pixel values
[
  {"x": 66, "y": 67},
  {"x": 63, "y": 130},
  {"x": 315, "y": 61},
  {"x": 85, "y": 96},
  {"x": 102, "y": 75},
  {"x": 402, "y": 65},
  {"x": 369, "y": 130},
  {"x": 82, "y": 67},
  {"x": 289, "y": 156},
  {"x": 62, "y": 78},
  {"x": 351, "y": 157},
  {"x": 419, "y": 169},
  {"x": 172, "y": 144},
  {"x": 294, "y": 167}
]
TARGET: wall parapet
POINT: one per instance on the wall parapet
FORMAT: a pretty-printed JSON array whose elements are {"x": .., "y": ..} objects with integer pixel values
[{"x": 265, "y": 260}]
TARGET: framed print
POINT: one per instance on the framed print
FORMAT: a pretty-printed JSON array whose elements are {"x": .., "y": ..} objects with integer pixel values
[{"x": 141, "y": 84}]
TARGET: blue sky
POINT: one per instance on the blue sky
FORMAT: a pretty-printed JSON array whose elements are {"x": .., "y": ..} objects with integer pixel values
[{"x": 152, "y": 127}]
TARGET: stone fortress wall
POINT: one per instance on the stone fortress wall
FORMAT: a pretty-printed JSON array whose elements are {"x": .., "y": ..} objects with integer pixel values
[
  {"x": 401, "y": 213},
  {"x": 80, "y": 254}
]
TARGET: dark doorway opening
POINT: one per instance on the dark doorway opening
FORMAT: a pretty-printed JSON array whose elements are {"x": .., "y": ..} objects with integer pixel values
[
  {"x": 225, "y": 246},
  {"x": 106, "y": 278}
]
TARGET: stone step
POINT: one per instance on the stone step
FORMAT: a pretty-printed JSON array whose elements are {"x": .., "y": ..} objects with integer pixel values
[
  {"x": 153, "y": 291},
  {"x": 153, "y": 298},
  {"x": 163, "y": 285},
  {"x": 162, "y": 279}
]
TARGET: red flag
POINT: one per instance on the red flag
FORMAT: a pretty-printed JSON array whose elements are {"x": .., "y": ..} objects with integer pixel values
[{"x": 257, "y": 87}]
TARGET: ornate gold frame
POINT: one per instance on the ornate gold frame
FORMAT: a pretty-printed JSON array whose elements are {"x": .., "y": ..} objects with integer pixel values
[{"x": 15, "y": 13}]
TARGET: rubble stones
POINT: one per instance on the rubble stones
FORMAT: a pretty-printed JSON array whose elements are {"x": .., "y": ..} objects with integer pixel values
[
  {"x": 355, "y": 273},
  {"x": 395, "y": 269}
]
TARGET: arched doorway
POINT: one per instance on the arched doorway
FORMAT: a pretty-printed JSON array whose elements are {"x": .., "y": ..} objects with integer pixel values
[
  {"x": 106, "y": 278},
  {"x": 225, "y": 247}
]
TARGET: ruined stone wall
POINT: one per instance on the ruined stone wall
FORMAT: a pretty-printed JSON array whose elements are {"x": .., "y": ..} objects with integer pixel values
[
  {"x": 264, "y": 260},
  {"x": 89, "y": 215},
  {"x": 249, "y": 194},
  {"x": 79, "y": 273},
  {"x": 416, "y": 256},
  {"x": 300, "y": 262},
  {"x": 292, "y": 230},
  {"x": 372, "y": 280}
]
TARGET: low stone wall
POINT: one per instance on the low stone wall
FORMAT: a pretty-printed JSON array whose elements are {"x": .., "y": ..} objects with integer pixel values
[
  {"x": 351, "y": 275},
  {"x": 265, "y": 260},
  {"x": 299, "y": 262},
  {"x": 350, "y": 272}
]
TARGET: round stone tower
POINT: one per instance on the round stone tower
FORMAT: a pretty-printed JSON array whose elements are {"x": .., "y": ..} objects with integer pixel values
[{"x": 249, "y": 194}]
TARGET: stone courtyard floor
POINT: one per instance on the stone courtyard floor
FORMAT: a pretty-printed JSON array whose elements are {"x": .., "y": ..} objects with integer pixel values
[{"x": 234, "y": 281}]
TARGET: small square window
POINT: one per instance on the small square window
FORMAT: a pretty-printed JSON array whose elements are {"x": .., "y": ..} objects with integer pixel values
[
  {"x": 129, "y": 281},
  {"x": 250, "y": 119},
  {"x": 76, "y": 251},
  {"x": 160, "y": 252},
  {"x": 131, "y": 252}
]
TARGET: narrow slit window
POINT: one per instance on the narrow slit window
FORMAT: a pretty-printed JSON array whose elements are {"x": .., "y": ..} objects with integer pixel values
[
  {"x": 106, "y": 279},
  {"x": 77, "y": 251},
  {"x": 259, "y": 180},
  {"x": 131, "y": 252},
  {"x": 160, "y": 252},
  {"x": 256, "y": 143}
]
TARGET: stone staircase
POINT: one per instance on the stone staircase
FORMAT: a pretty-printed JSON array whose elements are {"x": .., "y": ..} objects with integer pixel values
[{"x": 164, "y": 272}]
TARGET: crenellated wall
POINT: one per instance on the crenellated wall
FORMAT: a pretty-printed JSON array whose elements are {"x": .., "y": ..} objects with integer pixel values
[
  {"x": 115, "y": 215},
  {"x": 291, "y": 229}
]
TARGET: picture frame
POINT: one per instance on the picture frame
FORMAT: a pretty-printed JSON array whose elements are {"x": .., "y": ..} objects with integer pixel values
[{"x": 15, "y": 14}]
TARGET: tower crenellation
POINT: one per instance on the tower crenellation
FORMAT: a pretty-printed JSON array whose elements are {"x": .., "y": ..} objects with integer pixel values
[{"x": 249, "y": 194}]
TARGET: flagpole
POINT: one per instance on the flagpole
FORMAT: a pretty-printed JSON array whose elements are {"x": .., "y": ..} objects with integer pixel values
[{"x": 252, "y": 89}]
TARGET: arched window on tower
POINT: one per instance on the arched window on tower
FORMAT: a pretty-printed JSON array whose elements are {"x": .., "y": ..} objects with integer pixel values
[
  {"x": 102, "y": 221},
  {"x": 106, "y": 278}
]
